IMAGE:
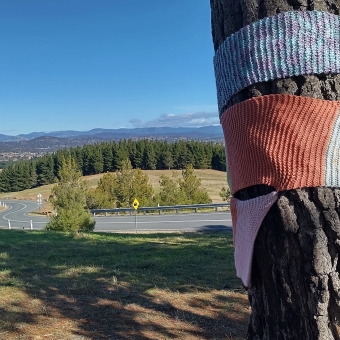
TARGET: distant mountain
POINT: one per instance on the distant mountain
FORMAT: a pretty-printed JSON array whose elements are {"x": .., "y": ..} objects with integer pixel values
[
  {"x": 205, "y": 132},
  {"x": 5, "y": 138},
  {"x": 38, "y": 143}
]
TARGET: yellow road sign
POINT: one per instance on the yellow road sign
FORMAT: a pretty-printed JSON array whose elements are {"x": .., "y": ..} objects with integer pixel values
[{"x": 135, "y": 204}]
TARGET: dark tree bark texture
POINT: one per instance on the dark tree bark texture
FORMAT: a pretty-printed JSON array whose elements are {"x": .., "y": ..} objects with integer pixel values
[{"x": 295, "y": 291}]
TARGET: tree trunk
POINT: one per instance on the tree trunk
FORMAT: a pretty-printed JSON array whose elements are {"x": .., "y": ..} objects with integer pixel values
[{"x": 295, "y": 290}]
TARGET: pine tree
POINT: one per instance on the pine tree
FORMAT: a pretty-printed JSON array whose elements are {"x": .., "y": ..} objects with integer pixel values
[
  {"x": 32, "y": 180},
  {"x": 86, "y": 160},
  {"x": 123, "y": 180},
  {"x": 218, "y": 159},
  {"x": 96, "y": 159},
  {"x": 104, "y": 195},
  {"x": 68, "y": 198},
  {"x": 191, "y": 187},
  {"x": 138, "y": 158},
  {"x": 170, "y": 191},
  {"x": 4, "y": 180},
  {"x": 185, "y": 190},
  {"x": 107, "y": 157},
  {"x": 77, "y": 155},
  {"x": 45, "y": 170},
  {"x": 120, "y": 155},
  {"x": 167, "y": 161},
  {"x": 141, "y": 188},
  {"x": 23, "y": 176},
  {"x": 59, "y": 158},
  {"x": 131, "y": 184},
  {"x": 13, "y": 179},
  {"x": 149, "y": 157},
  {"x": 198, "y": 150}
]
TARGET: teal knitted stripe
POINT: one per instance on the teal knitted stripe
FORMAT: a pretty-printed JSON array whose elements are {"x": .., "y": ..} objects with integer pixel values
[{"x": 287, "y": 44}]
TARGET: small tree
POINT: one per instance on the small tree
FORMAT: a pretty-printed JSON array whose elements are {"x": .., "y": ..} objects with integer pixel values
[
  {"x": 185, "y": 190},
  {"x": 225, "y": 194},
  {"x": 131, "y": 184},
  {"x": 191, "y": 187},
  {"x": 68, "y": 198},
  {"x": 104, "y": 195},
  {"x": 123, "y": 184},
  {"x": 141, "y": 188},
  {"x": 170, "y": 193},
  {"x": 121, "y": 188}
]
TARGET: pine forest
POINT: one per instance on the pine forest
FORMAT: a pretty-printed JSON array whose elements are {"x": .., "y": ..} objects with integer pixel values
[{"x": 109, "y": 156}]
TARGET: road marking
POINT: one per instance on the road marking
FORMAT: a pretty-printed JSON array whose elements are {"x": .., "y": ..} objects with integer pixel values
[
  {"x": 12, "y": 212},
  {"x": 160, "y": 230},
  {"x": 159, "y": 222},
  {"x": 15, "y": 211},
  {"x": 227, "y": 213}
]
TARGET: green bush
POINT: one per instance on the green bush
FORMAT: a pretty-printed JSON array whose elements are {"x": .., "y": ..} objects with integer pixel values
[
  {"x": 69, "y": 220},
  {"x": 68, "y": 198}
]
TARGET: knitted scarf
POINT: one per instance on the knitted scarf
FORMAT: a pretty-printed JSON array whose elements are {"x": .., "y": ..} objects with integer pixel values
[
  {"x": 287, "y": 44},
  {"x": 283, "y": 141}
]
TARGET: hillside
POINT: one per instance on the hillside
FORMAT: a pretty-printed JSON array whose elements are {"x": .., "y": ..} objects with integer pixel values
[{"x": 212, "y": 181}]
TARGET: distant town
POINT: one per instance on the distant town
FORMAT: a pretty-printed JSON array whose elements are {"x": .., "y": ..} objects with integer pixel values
[{"x": 18, "y": 156}]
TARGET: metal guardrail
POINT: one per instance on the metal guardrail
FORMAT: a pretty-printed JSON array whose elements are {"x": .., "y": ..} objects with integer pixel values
[{"x": 159, "y": 208}]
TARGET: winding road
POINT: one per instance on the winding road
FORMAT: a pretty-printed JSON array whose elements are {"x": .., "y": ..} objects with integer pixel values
[{"x": 17, "y": 216}]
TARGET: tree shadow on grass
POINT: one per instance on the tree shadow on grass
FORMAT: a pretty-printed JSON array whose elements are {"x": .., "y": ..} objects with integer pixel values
[
  {"x": 220, "y": 228},
  {"x": 107, "y": 286}
]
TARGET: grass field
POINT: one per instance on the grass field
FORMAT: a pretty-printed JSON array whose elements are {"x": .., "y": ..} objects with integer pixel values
[{"x": 107, "y": 286}]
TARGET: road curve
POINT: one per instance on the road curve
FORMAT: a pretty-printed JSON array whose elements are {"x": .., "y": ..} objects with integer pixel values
[{"x": 17, "y": 217}]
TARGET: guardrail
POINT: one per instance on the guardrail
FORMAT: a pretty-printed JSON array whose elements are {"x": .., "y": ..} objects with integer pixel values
[{"x": 195, "y": 207}]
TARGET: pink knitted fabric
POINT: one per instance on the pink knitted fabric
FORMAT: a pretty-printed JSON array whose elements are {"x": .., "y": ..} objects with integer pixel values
[
  {"x": 247, "y": 218},
  {"x": 284, "y": 141}
]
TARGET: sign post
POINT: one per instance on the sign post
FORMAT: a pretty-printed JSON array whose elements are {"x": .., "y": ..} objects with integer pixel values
[
  {"x": 135, "y": 206},
  {"x": 39, "y": 200}
]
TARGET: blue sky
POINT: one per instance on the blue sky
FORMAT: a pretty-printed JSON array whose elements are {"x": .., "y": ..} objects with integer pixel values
[{"x": 82, "y": 64}]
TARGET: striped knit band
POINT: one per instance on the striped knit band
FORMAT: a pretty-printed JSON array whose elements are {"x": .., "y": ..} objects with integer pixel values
[
  {"x": 287, "y": 44},
  {"x": 247, "y": 218},
  {"x": 284, "y": 141}
]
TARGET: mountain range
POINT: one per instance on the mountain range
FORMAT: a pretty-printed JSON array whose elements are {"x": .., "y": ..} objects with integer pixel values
[
  {"x": 205, "y": 132},
  {"x": 46, "y": 142}
]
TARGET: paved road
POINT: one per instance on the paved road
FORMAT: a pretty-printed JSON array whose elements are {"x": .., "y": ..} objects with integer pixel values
[{"x": 18, "y": 215}]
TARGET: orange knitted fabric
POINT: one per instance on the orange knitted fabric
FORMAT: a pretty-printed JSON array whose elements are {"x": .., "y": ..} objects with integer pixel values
[{"x": 279, "y": 140}]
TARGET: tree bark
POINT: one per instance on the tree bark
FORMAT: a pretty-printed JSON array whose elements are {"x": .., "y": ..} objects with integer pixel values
[{"x": 295, "y": 291}]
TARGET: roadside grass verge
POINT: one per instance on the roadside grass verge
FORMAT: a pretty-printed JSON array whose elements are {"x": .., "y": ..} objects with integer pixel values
[{"x": 119, "y": 286}]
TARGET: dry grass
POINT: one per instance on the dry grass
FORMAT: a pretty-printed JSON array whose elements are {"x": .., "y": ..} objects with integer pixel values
[
  {"x": 60, "y": 286},
  {"x": 211, "y": 180},
  {"x": 29, "y": 194}
]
